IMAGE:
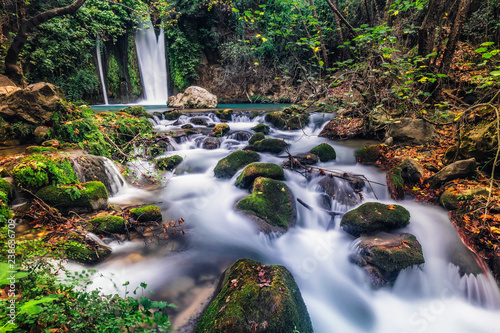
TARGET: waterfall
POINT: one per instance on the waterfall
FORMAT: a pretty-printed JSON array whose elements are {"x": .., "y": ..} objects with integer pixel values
[
  {"x": 116, "y": 180},
  {"x": 101, "y": 73},
  {"x": 152, "y": 64}
]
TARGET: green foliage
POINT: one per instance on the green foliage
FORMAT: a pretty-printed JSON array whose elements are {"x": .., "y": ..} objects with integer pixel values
[
  {"x": 185, "y": 57},
  {"x": 146, "y": 213},
  {"x": 113, "y": 79}
]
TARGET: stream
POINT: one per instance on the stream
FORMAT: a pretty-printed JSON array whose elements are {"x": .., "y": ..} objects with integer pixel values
[{"x": 430, "y": 298}]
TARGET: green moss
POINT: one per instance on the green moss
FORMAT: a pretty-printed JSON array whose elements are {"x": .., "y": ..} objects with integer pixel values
[
  {"x": 271, "y": 201},
  {"x": 199, "y": 121},
  {"x": 368, "y": 155},
  {"x": 136, "y": 110},
  {"x": 453, "y": 199},
  {"x": 172, "y": 115},
  {"x": 256, "y": 137},
  {"x": 229, "y": 165},
  {"x": 40, "y": 150},
  {"x": 325, "y": 152},
  {"x": 246, "y": 304},
  {"x": 225, "y": 115},
  {"x": 291, "y": 118},
  {"x": 261, "y": 128},
  {"x": 36, "y": 171},
  {"x": 86, "y": 197},
  {"x": 274, "y": 146},
  {"x": 83, "y": 253},
  {"x": 168, "y": 163},
  {"x": 371, "y": 217},
  {"x": 7, "y": 189},
  {"x": 5, "y": 212},
  {"x": 146, "y": 213},
  {"x": 220, "y": 130},
  {"x": 254, "y": 170},
  {"x": 108, "y": 224}
]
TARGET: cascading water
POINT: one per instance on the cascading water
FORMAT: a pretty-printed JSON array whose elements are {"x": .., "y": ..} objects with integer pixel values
[
  {"x": 101, "y": 72},
  {"x": 430, "y": 298},
  {"x": 152, "y": 64}
]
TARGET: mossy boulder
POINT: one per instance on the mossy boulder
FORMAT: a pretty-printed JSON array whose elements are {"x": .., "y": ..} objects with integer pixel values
[
  {"x": 291, "y": 118},
  {"x": 272, "y": 203},
  {"x": 7, "y": 188},
  {"x": 108, "y": 224},
  {"x": 41, "y": 134},
  {"x": 479, "y": 140},
  {"x": 79, "y": 251},
  {"x": 274, "y": 146},
  {"x": 136, "y": 110},
  {"x": 408, "y": 173},
  {"x": 368, "y": 154},
  {"x": 37, "y": 171},
  {"x": 372, "y": 217},
  {"x": 220, "y": 130},
  {"x": 256, "y": 137},
  {"x": 384, "y": 255},
  {"x": 252, "y": 297},
  {"x": 168, "y": 163},
  {"x": 325, "y": 152},
  {"x": 40, "y": 150},
  {"x": 199, "y": 121},
  {"x": 85, "y": 197},
  {"x": 261, "y": 128},
  {"x": 172, "y": 115},
  {"x": 452, "y": 198},
  {"x": 224, "y": 115},
  {"x": 254, "y": 170},
  {"x": 229, "y": 165},
  {"x": 146, "y": 213}
]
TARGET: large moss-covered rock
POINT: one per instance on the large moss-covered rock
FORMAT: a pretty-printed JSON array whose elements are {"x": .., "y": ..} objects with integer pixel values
[
  {"x": 452, "y": 198},
  {"x": 86, "y": 197},
  {"x": 384, "y": 255},
  {"x": 220, "y": 130},
  {"x": 325, "y": 152},
  {"x": 291, "y": 118},
  {"x": 372, "y": 217},
  {"x": 254, "y": 170},
  {"x": 271, "y": 202},
  {"x": 79, "y": 251},
  {"x": 459, "y": 169},
  {"x": 168, "y": 163},
  {"x": 94, "y": 168},
  {"x": 193, "y": 98},
  {"x": 108, "y": 224},
  {"x": 146, "y": 213},
  {"x": 274, "y": 146},
  {"x": 229, "y": 165},
  {"x": 406, "y": 174},
  {"x": 172, "y": 115},
  {"x": 256, "y": 137},
  {"x": 261, "y": 128},
  {"x": 256, "y": 298},
  {"x": 479, "y": 140}
]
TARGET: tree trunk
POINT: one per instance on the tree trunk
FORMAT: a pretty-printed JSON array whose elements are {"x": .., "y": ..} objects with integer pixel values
[
  {"x": 454, "y": 36},
  {"x": 427, "y": 32},
  {"x": 339, "y": 17},
  {"x": 12, "y": 70}
]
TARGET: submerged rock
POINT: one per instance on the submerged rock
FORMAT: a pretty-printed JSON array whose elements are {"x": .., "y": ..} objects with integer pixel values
[
  {"x": 411, "y": 131},
  {"x": 86, "y": 197},
  {"x": 459, "y": 169},
  {"x": 254, "y": 170},
  {"x": 193, "y": 98},
  {"x": 272, "y": 203},
  {"x": 274, "y": 146},
  {"x": 168, "y": 163},
  {"x": 372, "y": 217},
  {"x": 384, "y": 255},
  {"x": 256, "y": 298},
  {"x": 261, "y": 128},
  {"x": 291, "y": 118},
  {"x": 146, "y": 213},
  {"x": 229, "y": 165},
  {"x": 325, "y": 152}
]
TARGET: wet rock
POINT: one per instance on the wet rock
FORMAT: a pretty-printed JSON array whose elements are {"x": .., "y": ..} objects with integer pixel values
[
  {"x": 261, "y": 128},
  {"x": 411, "y": 131},
  {"x": 252, "y": 297},
  {"x": 93, "y": 168},
  {"x": 187, "y": 126},
  {"x": 51, "y": 143},
  {"x": 193, "y": 98},
  {"x": 406, "y": 174},
  {"x": 220, "y": 130},
  {"x": 384, "y": 255},
  {"x": 325, "y": 152},
  {"x": 452, "y": 198},
  {"x": 274, "y": 146},
  {"x": 136, "y": 110},
  {"x": 172, "y": 115},
  {"x": 343, "y": 128},
  {"x": 459, "y": 169},
  {"x": 291, "y": 118},
  {"x": 271, "y": 203},
  {"x": 108, "y": 224},
  {"x": 78, "y": 249},
  {"x": 254, "y": 170},
  {"x": 199, "y": 121},
  {"x": 307, "y": 158},
  {"x": 41, "y": 134},
  {"x": 229, "y": 165},
  {"x": 168, "y": 163},
  {"x": 256, "y": 137},
  {"x": 91, "y": 196},
  {"x": 240, "y": 135},
  {"x": 372, "y": 217},
  {"x": 340, "y": 190},
  {"x": 211, "y": 143},
  {"x": 368, "y": 154},
  {"x": 148, "y": 213},
  {"x": 224, "y": 115}
]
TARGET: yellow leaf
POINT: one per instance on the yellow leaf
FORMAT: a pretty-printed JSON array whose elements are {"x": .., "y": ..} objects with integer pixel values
[
  {"x": 264, "y": 39},
  {"x": 316, "y": 49},
  {"x": 458, "y": 116}
]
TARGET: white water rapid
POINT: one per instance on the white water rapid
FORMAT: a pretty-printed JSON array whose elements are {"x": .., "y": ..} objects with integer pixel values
[
  {"x": 152, "y": 64},
  {"x": 431, "y": 298},
  {"x": 101, "y": 72}
]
